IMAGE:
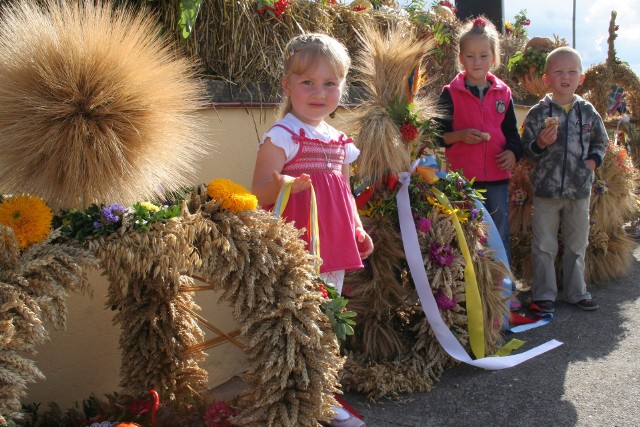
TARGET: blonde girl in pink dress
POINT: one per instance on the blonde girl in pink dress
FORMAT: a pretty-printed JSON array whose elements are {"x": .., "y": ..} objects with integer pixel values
[{"x": 306, "y": 150}]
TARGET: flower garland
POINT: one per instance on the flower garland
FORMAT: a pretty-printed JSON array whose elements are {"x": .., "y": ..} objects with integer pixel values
[
  {"x": 458, "y": 190},
  {"x": 102, "y": 220},
  {"x": 28, "y": 216}
]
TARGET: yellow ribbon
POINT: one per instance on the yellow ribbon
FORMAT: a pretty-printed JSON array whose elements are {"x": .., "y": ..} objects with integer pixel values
[
  {"x": 475, "y": 318},
  {"x": 314, "y": 231},
  {"x": 508, "y": 348}
]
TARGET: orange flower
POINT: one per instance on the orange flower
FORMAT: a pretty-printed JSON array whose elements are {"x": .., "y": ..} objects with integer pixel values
[
  {"x": 28, "y": 216},
  {"x": 233, "y": 197}
]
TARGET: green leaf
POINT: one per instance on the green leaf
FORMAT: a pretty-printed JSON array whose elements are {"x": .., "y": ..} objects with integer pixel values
[{"x": 188, "y": 11}]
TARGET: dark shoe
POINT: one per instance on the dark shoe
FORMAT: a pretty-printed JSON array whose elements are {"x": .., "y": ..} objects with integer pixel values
[
  {"x": 543, "y": 306},
  {"x": 587, "y": 304}
]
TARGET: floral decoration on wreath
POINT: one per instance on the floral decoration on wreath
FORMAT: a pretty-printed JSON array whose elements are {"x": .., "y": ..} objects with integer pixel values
[
  {"x": 273, "y": 8},
  {"x": 458, "y": 190},
  {"x": 28, "y": 216},
  {"x": 361, "y": 5},
  {"x": 234, "y": 197},
  {"x": 334, "y": 307},
  {"x": 600, "y": 186},
  {"x": 517, "y": 28},
  {"x": 102, "y": 220},
  {"x": 447, "y": 4}
]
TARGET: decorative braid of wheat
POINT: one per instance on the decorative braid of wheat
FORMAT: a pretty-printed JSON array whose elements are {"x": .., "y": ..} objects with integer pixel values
[
  {"x": 34, "y": 285},
  {"x": 260, "y": 265},
  {"x": 146, "y": 272}
]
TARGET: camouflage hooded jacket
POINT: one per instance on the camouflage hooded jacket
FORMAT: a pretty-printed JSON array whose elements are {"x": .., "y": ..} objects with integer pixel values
[{"x": 560, "y": 171}]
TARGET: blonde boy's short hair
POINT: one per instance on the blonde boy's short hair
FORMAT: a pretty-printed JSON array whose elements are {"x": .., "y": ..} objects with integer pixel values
[{"x": 562, "y": 51}]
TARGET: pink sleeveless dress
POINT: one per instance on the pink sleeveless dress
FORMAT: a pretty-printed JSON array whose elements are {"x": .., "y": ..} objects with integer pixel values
[{"x": 323, "y": 162}]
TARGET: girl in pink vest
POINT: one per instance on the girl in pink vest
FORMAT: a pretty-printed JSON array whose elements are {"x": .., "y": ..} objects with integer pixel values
[
  {"x": 479, "y": 131},
  {"x": 305, "y": 149}
]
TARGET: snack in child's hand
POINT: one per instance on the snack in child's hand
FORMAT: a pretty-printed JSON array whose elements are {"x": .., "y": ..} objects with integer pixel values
[
  {"x": 486, "y": 136},
  {"x": 551, "y": 121}
]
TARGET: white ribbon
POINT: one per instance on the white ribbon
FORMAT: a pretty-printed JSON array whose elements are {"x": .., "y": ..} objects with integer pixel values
[{"x": 445, "y": 337}]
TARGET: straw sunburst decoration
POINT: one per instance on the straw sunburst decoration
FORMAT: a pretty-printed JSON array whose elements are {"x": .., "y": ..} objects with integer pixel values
[{"x": 95, "y": 105}]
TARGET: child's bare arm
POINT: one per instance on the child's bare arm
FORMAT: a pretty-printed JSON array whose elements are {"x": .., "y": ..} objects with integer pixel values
[
  {"x": 267, "y": 179},
  {"x": 363, "y": 240}
]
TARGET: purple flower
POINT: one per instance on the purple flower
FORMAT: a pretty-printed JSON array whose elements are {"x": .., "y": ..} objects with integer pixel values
[
  {"x": 444, "y": 302},
  {"x": 111, "y": 214},
  {"x": 474, "y": 213},
  {"x": 97, "y": 224},
  {"x": 442, "y": 254},
  {"x": 424, "y": 225}
]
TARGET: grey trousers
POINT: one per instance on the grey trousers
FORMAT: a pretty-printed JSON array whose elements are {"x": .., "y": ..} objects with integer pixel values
[{"x": 547, "y": 215}]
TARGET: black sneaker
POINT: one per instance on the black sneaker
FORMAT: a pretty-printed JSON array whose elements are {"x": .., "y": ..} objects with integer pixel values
[
  {"x": 543, "y": 306},
  {"x": 587, "y": 304}
]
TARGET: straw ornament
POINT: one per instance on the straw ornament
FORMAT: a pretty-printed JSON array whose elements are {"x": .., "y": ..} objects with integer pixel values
[
  {"x": 608, "y": 255},
  {"x": 95, "y": 105}
]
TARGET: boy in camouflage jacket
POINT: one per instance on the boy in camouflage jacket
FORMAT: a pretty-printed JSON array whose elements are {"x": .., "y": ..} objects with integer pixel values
[{"x": 566, "y": 137}]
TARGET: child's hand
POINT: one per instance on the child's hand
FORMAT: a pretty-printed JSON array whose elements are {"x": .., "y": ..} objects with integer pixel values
[
  {"x": 300, "y": 183},
  {"x": 364, "y": 242},
  {"x": 547, "y": 136},
  {"x": 472, "y": 136},
  {"x": 506, "y": 160},
  {"x": 590, "y": 164}
]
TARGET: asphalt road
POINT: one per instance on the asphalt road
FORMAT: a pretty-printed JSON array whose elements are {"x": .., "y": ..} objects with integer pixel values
[{"x": 593, "y": 379}]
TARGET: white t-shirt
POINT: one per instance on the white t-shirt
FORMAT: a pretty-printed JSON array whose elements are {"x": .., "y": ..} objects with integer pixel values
[{"x": 324, "y": 132}]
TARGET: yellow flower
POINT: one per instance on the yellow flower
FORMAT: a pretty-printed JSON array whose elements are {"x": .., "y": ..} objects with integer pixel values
[
  {"x": 149, "y": 206},
  {"x": 28, "y": 216},
  {"x": 233, "y": 197}
]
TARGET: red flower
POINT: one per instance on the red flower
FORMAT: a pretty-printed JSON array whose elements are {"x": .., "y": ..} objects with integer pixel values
[
  {"x": 408, "y": 131},
  {"x": 140, "y": 407},
  {"x": 280, "y": 7},
  {"x": 274, "y": 8},
  {"x": 526, "y": 22},
  {"x": 448, "y": 4},
  {"x": 358, "y": 8},
  {"x": 320, "y": 287}
]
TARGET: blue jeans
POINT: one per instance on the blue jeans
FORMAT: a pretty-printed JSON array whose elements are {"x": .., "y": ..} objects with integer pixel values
[{"x": 497, "y": 203}]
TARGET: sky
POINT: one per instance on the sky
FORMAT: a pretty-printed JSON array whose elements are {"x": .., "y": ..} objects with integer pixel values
[{"x": 592, "y": 24}]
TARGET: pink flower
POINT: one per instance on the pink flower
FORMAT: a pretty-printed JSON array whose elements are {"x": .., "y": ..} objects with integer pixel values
[
  {"x": 444, "y": 302},
  {"x": 217, "y": 415},
  {"x": 424, "y": 225},
  {"x": 442, "y": 254}
]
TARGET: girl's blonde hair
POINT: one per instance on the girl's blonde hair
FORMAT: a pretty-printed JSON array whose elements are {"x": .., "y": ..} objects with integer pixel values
[
  {"x": 303, "y": 51},
  {"x": 483, "y": 28}
]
